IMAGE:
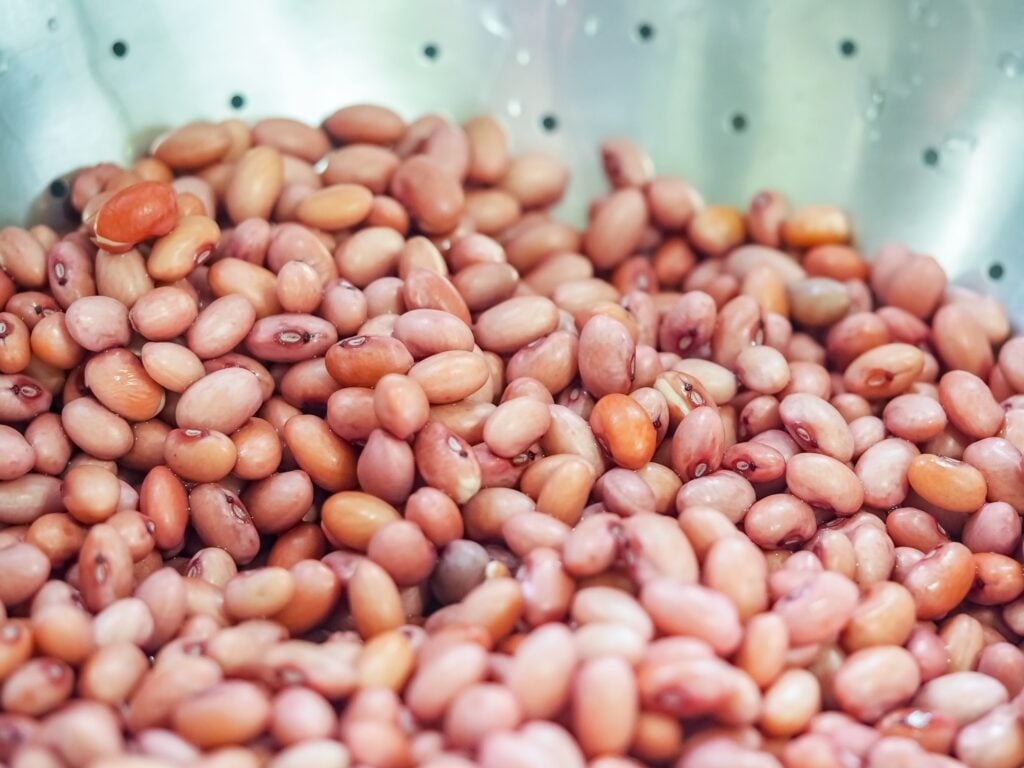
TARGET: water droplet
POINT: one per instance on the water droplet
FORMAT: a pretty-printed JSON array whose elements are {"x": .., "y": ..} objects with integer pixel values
[
  {"x": 51, "y": 24},
  {"x": 959, "y": 143},
  {"x": 5, "y": 62},
  {"x": 1011, "y": 64},
  {"x": 514, "y": 107},
  {"x": 523, "y": 57},
  {"x": 876, "y": 103},
  {"x": 561, "y": 3},
  {"x": 874, "y": 135},
  {"x": 495, "y": 22},
  {"x": 591, "y": 24}
]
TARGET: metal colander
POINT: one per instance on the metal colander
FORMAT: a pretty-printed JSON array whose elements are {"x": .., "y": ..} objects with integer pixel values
[{"x": 908, "y": 112}]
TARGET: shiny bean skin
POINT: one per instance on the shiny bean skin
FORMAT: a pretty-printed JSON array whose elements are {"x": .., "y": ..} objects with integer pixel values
[
  {"x": 948, "y": 483},
  {"x": 940, "y": 580},
  {"x": 221, "y": 520},
  {"x": 221, "y": 326},
  {"x": 916, "y": 418},
  {"x": 884, "y": 371},
  {"x": 825, "y": 483},
  {"x": 95, "y": 429},
  {"x": 882, "y": 471},
  {"x": 400, "y": 469},
  {"x": 994, "y": 528},
  {"x": 780, "y": 520}
]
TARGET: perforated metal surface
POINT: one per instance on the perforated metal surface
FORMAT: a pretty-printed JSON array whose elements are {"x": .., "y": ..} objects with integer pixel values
[{"x": 911, "y": 114}]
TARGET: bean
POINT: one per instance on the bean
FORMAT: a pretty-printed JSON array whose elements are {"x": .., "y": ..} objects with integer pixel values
[
  {"x": 779, "y": 520},
  {"x": 947, "y": 483},
  {"x": 429, "y": 192},
  {"x": 695, "y": 611},
  {"x": 230, "y": 712},
  {"x": 994, "y": 528},
  {"x": 625, "y": 493},
  {"x": 98, "y": 431},
  {"x": 885, "y": 616},
  {"x": 969, "y": 404},
  {"x": 910, "y": 527},
  {"x": 221, "y": 520},
  {"x": 329, "y": 460},
  {"x": 39, "y": 686},
  {"x": 816, "y": 426},
  {"x": 126, "y": 620},
  {"x": 606, "y": 357},
  {"x": 874, "y": 680},
  {"x": 535, "y": 179},
  {"x": 884, "y": 371},
  {"x": 221, "y": 326},
  {"x": 90, "y": 494},
  {"x": 790, "y": 703},
  {"x": 998, "y": 579},
  {"x": 763, "y": 370},
  {"x": 697, "y": 446},
  {"x": 960, "y": 342},
  {"x": 351, "y": 518},
  {"x": 446, "y": 462},
  {"x": 825, "y": 483},
  {"x": 994, "y": 740},
  {"x": 940, "y": 580},
  {"x": 163, "y": 313},
  {"x": 258, "y": 593},
  {"x": 615, "y": 228},
  {"x": 193, "y": 146},
  {"x": 716, "y": 229},
  {"x": 883, "y": 472},
  {"x": 24, "y": 568},
  {"x": 604, "y": 706},
  {"x": 255, "y": 184},
  {"x": 835, "y": 594},
  {"x": 173, "y": 367},
  {"x": 722, "y": 490}
]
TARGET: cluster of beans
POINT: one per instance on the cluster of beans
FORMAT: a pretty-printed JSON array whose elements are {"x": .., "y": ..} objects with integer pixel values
[{"x": 327, "y": 446}]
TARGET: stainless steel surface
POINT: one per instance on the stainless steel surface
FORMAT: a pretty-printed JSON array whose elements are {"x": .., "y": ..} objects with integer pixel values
[{"x": 909, "y": 112}]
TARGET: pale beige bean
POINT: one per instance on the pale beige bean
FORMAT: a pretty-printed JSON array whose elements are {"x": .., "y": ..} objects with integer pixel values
[
  {"x": 163, "y": 313},
  {"x": 255, "y": 184},
  {"x": 615, "y": 228},
  {"x": 516, "y": 425},
  {"x": 885, "y": 371},
  {"x": 170, "y": 365},
  {"x": 834, "y": 597},
  {"x": 426, "y": 332},
  {"x": 825, "y": 483},
  {"x": 223, "y": 401},
  {"x": 993, "y": 741},
  {"x": 431, "y": 194},
  {"x": 875, "y": 680},
  {"x": 969, "y": 404},
  {"x": 514, "y": 323},
  {"x": 688, "y": 609},
  {"x": 221, "y": 326},
  {"x": 448, "y": 377},
  {"x": 964, "y": 696},
  {"x": 536, "y": 179},
  {"x": 791, "y": 701},
  {"x": 604, "y": 706},
  {"x": 762, "y": 369},
  {"x": 98, "y": 431},
  {"x": 882, "y": 470}
]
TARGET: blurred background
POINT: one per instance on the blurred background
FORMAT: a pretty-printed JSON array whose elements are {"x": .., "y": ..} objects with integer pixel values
[{"x": 910, "y": 113}]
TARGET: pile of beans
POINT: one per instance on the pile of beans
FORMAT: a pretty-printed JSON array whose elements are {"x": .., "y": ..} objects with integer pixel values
[{"x": 328, "y": 446}]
